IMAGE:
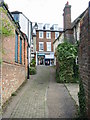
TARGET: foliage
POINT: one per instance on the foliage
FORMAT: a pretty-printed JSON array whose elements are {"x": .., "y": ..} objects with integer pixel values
[
  {"x": 32, "y": 70},
  {"x": 13, "y": 94},
  {"x": 82, "y": 100},
  {"x": 2, "y": 10},
  {"x": 6, "y": 27},
  {"x": 0, "y": 61},
  {"x": 66, "y": 55},
  {"x": 33, "y": 63},
  {"x": 66, "y": 51}
]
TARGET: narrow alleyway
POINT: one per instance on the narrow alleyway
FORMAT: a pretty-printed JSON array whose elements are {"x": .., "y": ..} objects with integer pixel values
[{"x": 42, "y": 97}]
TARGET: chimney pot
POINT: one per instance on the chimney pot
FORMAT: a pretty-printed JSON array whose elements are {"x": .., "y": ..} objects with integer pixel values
[
  {"x": 67, "y": 16},
  {"x": 67, "y": 3}
]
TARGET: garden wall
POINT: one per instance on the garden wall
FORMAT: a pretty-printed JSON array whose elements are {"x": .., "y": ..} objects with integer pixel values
[{"x": 84, "y": 56}]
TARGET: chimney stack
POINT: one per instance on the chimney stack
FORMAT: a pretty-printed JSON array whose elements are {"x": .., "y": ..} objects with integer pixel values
[{"x": 67, "y": 16}]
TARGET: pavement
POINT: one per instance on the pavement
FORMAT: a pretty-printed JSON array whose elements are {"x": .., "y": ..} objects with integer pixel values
[
  {"x": 42, "y": 97},
  {"x": 73, "y": 89}
]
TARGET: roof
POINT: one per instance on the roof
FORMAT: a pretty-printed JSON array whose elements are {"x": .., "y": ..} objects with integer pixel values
[
  {"x": 78, "y": 19},
  {"x": 2, "y": 4},
  {"x": 49, "y": 30},
  {"x": 8, "y": 13},
  {"x": 16, "y": 12}
]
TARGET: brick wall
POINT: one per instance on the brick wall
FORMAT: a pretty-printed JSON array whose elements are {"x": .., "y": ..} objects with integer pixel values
[
  {"x": 13, "y": 74},
  {"x": 45, "y": 40},
  {"x": 68, "y": 32},
  {"x": 84, "y": 56},
  {"x": 68, "y": 35},
  {"x": 12, "y": 77},
  {"x": 67, "y": 16},
  {"x": 9, "y": 49}
]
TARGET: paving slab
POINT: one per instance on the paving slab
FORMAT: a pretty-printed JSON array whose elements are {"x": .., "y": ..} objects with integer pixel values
[
  {"x": 60, "y": 103},
  {"x": 42, "y": 97},
  {"x": 73, "y": 89}
]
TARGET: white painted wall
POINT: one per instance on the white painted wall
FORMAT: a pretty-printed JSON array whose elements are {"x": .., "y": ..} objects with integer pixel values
[
  {"x": 57, "y": 42},
  {"x": 77, "y": 30},
  {"x": 24, "y": 28}
]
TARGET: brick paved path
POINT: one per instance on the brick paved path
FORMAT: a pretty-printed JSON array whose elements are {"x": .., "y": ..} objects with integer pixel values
[{"x": 41, "y": 97}]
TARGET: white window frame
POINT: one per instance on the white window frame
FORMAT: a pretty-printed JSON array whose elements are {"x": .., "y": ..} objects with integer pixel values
[
  {"x": 56, "y": 35},
  {"x": 48, "y": 43},
  {"x": 40, "y": 32},
  {"x": 48, "y": 37},
  {"x": 39, "y": 46}
]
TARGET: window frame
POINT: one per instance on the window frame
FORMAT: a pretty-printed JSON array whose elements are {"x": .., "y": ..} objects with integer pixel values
[
  {"x": 40, "y": 33},
  {"x": 39, "y": 46},
  {"x": 48, "y": 47},
  {"x": 16, "y": 47},
  {"x": 48, "y": 37},
  {"x": 20, "y": 50},
  {"x": 55, "y": 35}
]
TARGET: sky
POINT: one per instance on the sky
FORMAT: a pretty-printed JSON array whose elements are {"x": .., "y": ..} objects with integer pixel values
[{"x": 47, "y": 11}]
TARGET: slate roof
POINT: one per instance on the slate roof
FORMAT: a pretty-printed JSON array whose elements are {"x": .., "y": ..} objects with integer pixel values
[
  {"x": 16, "y": 12},
  {"x": 78, "y": 19}
]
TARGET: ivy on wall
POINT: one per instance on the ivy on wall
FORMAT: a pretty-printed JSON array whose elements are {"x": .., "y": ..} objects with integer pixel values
[
  {"x": 6, "y": 27},
  {"x": 82, "y": 100},
  {"x": 66, "y": 55}
]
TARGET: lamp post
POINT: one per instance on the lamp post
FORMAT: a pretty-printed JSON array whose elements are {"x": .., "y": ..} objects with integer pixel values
[{"x": 28, "y": 50}]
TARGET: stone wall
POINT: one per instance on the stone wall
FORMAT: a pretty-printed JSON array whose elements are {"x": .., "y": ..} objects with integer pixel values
[{"x": 84, "y": 56}]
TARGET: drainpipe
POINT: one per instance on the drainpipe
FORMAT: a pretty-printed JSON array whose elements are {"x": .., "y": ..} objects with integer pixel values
[
  {"x": 75, "y": 34},
  {"x": 36, "y": 58},
  {"x": 28, "y": 50}
]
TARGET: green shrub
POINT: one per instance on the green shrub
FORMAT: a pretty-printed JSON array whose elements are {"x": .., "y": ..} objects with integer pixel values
[
  {"x": 82, "y": 101},
  {"x": 13, "y": 94},
  {"x": 57, "y": 77},
  {"x": 33, "y": 63},
  {"x": 66, "y": 55},
  {"x": 32, "y": 70},
  {"x": 0, "y": 61}
]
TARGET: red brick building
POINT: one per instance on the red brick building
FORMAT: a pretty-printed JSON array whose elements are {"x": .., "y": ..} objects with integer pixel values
[
  {"x": 14, "y": 56},
  {"x": 45, "y": 36}
]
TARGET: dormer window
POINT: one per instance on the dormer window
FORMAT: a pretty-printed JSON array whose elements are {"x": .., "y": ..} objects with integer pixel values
[
  {"x": 16, "y": 17},
  {"x": 40, "y": 26},
  {"x": 47, "y": 26}
]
